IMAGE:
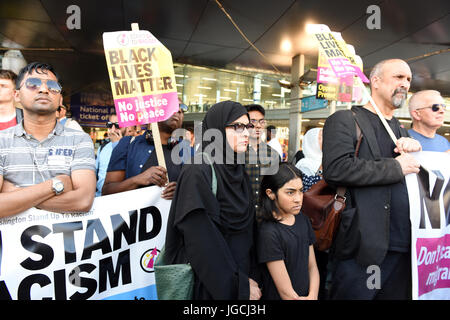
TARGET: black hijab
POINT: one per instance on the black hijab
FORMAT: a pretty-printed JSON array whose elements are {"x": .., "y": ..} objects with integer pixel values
[{"x": 231, "y": 208}]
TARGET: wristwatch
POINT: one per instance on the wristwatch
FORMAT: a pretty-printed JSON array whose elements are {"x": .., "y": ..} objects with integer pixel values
[{"x": 57, "y": 186}]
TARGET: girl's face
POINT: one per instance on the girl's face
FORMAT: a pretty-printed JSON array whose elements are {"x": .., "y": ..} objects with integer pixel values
[
  {"x": 237, "y": 137},
  {"x": 289, "y": 197}
]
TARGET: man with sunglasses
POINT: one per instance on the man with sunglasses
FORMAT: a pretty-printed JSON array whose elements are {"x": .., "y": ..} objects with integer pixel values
[
  {"x": 42, "y": 163},
  {"x": 260, "y": 158},
  {"x": 134, "y": 164},
  {"x": 67, "y": 122},
  {"x": 427, "y": 109}
]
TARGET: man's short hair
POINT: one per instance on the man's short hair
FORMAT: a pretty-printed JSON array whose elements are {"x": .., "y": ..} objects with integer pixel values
[
  {"x": 38, "y": 67},
  {"x": 255, "y": 107},
  {"x": 271, "y": 128},
  {"x": 417, "y": 98},
  {"x": 8, "y": 75}
]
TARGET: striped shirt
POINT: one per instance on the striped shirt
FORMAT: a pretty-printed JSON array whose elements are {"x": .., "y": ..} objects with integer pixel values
[{"x": 25, "y": 161}]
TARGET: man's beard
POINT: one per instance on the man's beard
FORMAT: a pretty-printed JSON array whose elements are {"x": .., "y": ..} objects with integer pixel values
[{"x": 399, "y": 102}]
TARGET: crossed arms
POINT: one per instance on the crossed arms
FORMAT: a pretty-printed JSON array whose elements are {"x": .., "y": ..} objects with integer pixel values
[{"x": 78, "y": 194}]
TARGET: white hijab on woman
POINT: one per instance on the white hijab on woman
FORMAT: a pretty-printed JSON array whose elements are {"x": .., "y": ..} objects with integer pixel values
[{"x": 312, "y": 150}]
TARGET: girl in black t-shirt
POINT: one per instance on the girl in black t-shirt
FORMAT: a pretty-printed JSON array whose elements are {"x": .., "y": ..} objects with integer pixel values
[{"x": 285, "y": 239}]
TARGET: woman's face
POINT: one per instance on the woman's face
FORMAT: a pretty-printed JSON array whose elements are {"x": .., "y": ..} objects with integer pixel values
[
  {"x": 289, "y": 197},
  {"x": 237, "y": 139}
]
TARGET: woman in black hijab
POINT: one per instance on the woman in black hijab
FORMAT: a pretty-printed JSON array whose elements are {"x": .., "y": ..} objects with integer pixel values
[{"x": 215, "y": 233}]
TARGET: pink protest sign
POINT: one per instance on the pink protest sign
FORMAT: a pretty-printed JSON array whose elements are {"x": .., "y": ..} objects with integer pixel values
[{"x": 433, "y": 263}]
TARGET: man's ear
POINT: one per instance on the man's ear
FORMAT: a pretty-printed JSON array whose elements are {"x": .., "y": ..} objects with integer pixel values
[
  {"x": 415, "y": 115},
  {"x": 374, "y": 81},
  {"x": 16, "y": 96}
]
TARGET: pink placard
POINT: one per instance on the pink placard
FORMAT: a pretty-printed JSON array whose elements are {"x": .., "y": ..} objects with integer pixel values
[
  {"x": 433, "y": 263},
  {"x": 146, "y": 109},
  {"x": 343, "y": 68}
]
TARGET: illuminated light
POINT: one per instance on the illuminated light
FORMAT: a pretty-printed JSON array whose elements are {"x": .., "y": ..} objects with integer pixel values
[
  {"x": 237, "y": 82},
  {"x": 229, "y": 90},
  {"x": 265, "y": 85},
  {"x": 248, "y": 100},
  {"x": 181, "y": 76},
  {"x": 286, "y": 45},
  {"x": 179, "y": 85},
  {"x": 277, "y": 95},
  {"x": 207, "y": 88},
  {"x": 209, "y": 79}
]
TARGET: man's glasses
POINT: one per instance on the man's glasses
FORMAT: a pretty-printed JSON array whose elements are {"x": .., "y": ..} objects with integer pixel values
[
  {"x": 110, "y": 124},
  {"x": 239, "y": 127},
  {"x": 435, "y": 107},
  {"x": 183, "y": 107},
  {"x": 260, "y": 121},
  {"x": 35, "y": 83}
]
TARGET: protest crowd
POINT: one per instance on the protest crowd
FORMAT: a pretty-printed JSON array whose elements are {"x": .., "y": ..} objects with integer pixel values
[{"x": 236, "y": 205}]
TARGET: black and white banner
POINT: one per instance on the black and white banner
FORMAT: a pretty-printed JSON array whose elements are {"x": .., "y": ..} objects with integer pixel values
[
  {"x": 429, "y": 199},
  {"x": 107, "y": 253}
]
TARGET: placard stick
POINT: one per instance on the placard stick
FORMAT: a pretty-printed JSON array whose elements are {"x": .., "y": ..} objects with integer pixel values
[{"x": 155, "y": 128}]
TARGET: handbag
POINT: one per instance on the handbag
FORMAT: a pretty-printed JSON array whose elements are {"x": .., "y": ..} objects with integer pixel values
[
  {"x": 176, "y": 281},
  {"x": 324, "y": 205},
  {"x": 173, "y": 281}
]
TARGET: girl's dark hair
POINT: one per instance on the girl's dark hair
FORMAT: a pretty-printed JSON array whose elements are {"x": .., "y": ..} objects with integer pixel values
[{"x": 286, "y": 172}]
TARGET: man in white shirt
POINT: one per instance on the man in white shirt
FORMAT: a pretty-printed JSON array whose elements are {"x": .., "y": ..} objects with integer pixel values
[{"x": 273, "y": 141}]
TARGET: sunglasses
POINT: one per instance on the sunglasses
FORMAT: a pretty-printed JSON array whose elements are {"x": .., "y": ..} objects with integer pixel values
[
  {"x": 239, "y": 127},
  {"x": 110, "y": 124},
  {"x": 435, "y": 107},
  {"x": 183, "y": 107},
  {"x": 260, "y": 121},
  {"x": 35, "y": 83}
]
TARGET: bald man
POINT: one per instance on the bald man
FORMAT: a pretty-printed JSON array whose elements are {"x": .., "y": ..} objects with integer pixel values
[
  {"x": 427, "y": 110},
  {"x": 375, "y": 228}
]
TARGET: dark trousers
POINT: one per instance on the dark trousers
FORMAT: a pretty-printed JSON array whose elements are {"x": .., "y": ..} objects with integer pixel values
[
  {"x": 322, "y": 263},
  {"x": 352, "y": 281}
]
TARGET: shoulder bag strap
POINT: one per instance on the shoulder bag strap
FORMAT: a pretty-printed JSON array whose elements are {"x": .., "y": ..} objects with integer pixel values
[
  {"x": 214, "y": 178},
  {"x": 340, "y": 192}
]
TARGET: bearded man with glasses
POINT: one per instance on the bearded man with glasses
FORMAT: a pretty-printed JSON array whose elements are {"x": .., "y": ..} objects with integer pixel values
[
  {"x": 42, "y": 163},
  {"x": 427, "y": 109},
  {"x": 260, "y": 158}
]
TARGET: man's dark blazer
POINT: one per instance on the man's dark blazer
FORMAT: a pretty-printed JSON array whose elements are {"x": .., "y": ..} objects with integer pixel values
[{"x": 364, "y": 230}]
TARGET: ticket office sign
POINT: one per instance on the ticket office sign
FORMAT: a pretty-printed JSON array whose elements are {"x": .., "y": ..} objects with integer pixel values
[{"x": 142, "y": 77}]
